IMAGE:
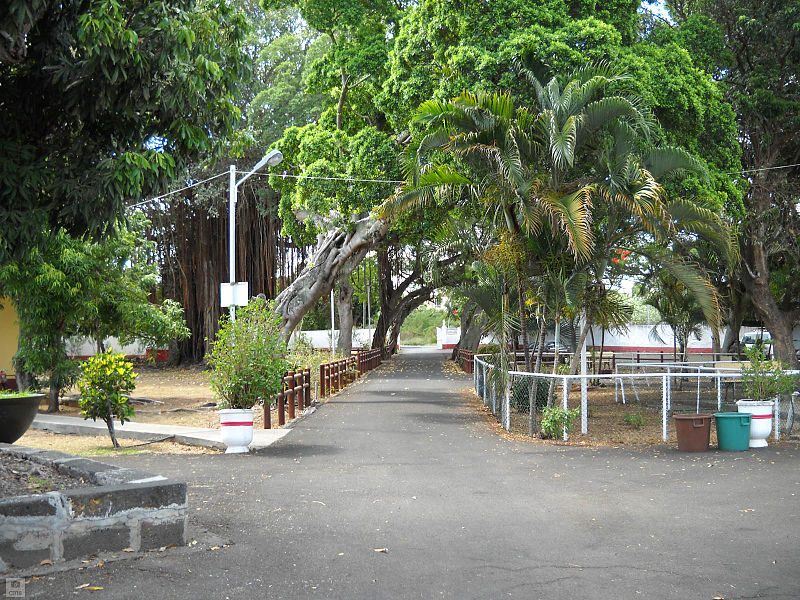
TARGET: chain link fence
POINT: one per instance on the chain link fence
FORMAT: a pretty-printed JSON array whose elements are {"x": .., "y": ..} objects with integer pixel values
[{"x": 672, "y": 387}]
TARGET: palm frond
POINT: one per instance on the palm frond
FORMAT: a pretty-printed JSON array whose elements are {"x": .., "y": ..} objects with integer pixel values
[
  {"x": 570, "y": 213},
  {"x": 669, "y": 159},
  {"x": 692, "y": 277}
]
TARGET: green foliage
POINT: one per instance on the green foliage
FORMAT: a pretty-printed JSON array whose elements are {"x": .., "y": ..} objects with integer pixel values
[
  {"x": 765, "y": 379},
  {"x": 488, "y": 349},
  {"x": 419, "y": 328},
  {"x": 556, "y": 420},
  {"x": 635, "y": 420},
  {"x": 520, "y": 390},
  {"x": 104, "y": 102},
  {"x": 248, "y": 356},
  {"x": 106, "y": 380},
  {"x": 74, "y": 287}
]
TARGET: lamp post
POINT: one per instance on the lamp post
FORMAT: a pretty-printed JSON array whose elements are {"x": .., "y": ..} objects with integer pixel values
[{"x": 233, "y": 293}]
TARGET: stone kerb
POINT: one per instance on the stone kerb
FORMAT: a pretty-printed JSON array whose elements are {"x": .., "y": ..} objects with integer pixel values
[{"x": 126, "y": 509}]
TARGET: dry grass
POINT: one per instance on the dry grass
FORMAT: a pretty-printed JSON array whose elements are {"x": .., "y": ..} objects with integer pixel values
[
  {"x": 98, "y": 446},
  {"x": 606, "y": 424}
]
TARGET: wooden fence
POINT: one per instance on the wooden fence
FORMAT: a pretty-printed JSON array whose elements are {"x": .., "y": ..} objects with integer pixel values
[{"x": 333, "y": 376}]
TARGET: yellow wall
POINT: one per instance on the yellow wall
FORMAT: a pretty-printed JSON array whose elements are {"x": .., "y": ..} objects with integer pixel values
[{"x": 9, "y": 334}]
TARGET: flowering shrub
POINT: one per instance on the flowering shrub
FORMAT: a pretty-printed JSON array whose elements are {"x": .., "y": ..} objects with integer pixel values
[{"x": 106, "y": 380}]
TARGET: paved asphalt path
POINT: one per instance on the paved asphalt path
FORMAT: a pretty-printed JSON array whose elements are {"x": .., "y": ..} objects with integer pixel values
[{"x": 404, "y": 461}]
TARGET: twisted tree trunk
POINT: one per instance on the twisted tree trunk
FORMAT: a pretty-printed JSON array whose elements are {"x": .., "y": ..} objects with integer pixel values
[
  {"x": 334, "y": 250},
  {"x": 344, "y": 305}
]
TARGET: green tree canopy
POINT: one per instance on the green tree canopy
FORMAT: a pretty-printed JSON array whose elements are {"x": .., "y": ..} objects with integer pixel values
[{"x": 103, "y": 102}]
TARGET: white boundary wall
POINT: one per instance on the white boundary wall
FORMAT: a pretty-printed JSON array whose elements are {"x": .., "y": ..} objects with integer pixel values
[
  {"x": 321, "y": 338},
  {"x": 636, "y": 338}
]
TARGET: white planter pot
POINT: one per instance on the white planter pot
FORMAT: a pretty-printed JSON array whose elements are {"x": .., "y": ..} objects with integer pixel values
[
  {"x": 236, "y": 425},
  {"x": 761, "y": 422}
]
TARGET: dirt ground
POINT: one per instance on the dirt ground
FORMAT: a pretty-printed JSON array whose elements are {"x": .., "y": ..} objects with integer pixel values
[
  {"x": 182, "y": 396},
  {"x": 169, "y": 395},
  {"x": 97, "y": 446}
]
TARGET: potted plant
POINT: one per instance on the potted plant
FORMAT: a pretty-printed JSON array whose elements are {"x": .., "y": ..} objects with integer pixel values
[
  {"x": 763, "y": 381},
  {"x": 17, "y": 412},
  {"x": 248, "y": 362}
]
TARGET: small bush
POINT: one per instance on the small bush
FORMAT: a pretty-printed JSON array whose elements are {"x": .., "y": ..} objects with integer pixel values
[
  {"x": 519, "y": 393},
  {"x": 248, "y": 357},
  {"x": 555, "y": 420},
  {"x": 488, "y": 349},
  {"x": 106, "y": 380},
  {"x": 635, "y": 420}
]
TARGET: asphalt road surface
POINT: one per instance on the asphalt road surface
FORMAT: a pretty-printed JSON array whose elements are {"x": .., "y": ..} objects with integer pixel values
[{"x": 400, "y": 488}]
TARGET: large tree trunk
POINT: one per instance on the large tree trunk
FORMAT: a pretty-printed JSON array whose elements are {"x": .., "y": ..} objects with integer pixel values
[
  {"x": 735, "y": 319},
  {"x": 334, "y": 249},
  {"x": 756, "y": 276},
  {"x": 472, "y": 328},
  {"x": 344, "y": 305}
]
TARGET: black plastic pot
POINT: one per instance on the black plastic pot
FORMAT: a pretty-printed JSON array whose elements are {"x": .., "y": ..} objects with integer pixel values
[{"x": 16, "y": 415}]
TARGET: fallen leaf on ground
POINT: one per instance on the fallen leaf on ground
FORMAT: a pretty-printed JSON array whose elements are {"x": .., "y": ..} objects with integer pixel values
[
  {"x": 46, "y": 561},
  {"x": 128, "y": 550},
  {"x": 384, "y": 550},
  {"x": 81, "y": 586}
]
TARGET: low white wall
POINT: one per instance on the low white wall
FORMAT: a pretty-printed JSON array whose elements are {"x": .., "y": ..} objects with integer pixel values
[
  {"x": 637, "y": 337},
  {"x": 321, "y": 338},
  {"x": 88, "y": 347}
]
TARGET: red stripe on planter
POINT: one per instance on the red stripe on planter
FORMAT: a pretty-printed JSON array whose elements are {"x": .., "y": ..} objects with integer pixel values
[
  {"x": 761, "y": 417},
  {"x": 236, "y": 423}
]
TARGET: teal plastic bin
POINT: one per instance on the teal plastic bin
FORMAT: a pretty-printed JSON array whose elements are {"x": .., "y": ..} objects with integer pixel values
[{"x": 733, "y": 431}]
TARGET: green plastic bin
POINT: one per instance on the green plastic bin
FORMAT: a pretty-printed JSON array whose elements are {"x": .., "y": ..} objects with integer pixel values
[{"x": 733, "y": 431}]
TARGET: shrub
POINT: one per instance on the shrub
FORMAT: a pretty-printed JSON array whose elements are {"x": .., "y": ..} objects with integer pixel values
[
  {"x": 555, "y": 420},
  {"x": 764, "y": 379},
  {"x": 519, "y": 393},
  {"x": 248, "y": 356},
  {"x": 106, "y": 380},
  {"x": 488, "y": 349},
  {"x": 635, "y": 420}
]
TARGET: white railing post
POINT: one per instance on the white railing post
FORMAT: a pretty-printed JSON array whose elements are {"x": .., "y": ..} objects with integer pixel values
[
  {"x": 777, "y": 419},
  {"x": 585, "y": 392},
  {"x": 664, "y": 385},
  {"x": 565, "y": 394},
  {"x": 719, "y": 393},
  {"x": 507, "y": 405}
]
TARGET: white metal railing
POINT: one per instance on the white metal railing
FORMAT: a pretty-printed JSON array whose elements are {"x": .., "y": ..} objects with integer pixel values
[{"x": 487, "y": 387}]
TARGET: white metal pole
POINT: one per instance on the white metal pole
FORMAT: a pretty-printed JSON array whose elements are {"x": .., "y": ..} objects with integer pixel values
[
  {"x": 664, "y": 381},
  {"x": 333, "y": 328},
  {"x": 565, "y": 394},
  {"x": 232, "y": 231},
  {"x": 507, "y": 405},
  {"x": 584, "y": 392},
  {"x": 369, "y": 307}
]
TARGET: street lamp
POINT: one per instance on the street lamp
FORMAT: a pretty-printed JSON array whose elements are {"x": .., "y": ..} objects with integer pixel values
[{"x": 235, "y": 294}]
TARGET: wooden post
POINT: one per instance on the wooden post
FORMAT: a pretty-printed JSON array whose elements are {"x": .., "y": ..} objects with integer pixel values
[
  {"x": 307, "y": 386},
  {"x": 322, "y": 381},
  {"x": 289, "y": 385},
  {"x": 267, "y": 418},
  {"x": 281, "y": 405}
]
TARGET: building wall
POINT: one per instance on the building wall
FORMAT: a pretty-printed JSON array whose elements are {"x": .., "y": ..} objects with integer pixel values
[{"x": 9, "y": 335}]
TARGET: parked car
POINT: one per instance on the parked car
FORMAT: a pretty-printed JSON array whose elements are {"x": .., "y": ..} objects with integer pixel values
[{"x": 550, "y": 348}]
